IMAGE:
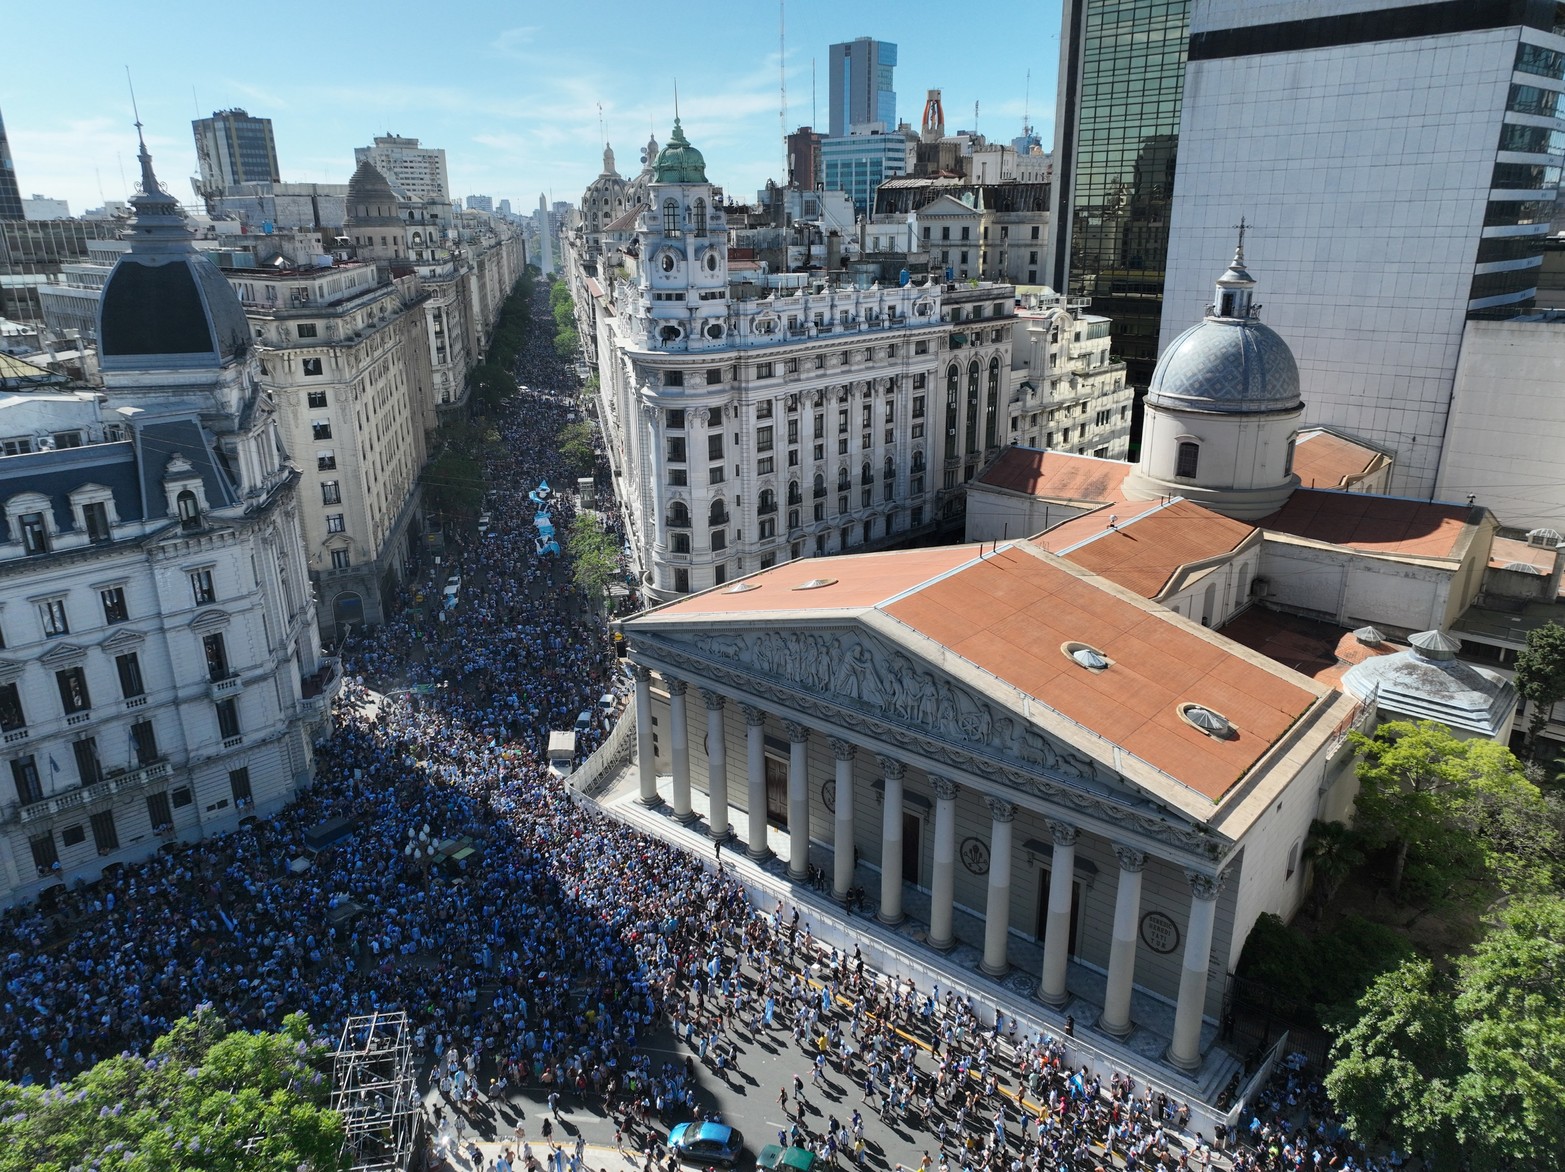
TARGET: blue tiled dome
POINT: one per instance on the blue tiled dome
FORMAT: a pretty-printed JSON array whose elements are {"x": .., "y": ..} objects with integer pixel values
[{"x": 1227, "y": 365}]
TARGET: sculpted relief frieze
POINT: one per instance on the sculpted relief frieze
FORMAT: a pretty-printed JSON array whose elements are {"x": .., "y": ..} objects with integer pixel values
[
  {"x": 887, "y": 695},
  {"x": 864, "y": 674}
]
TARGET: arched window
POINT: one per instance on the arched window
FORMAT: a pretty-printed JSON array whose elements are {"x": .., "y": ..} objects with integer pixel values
[
  {"x": 1188, "y": 459},
  {"x": 953, "y": 378},
  {"x": 972, "y": 406},
  {"x": 700, "y": 217},
  {"x": 679, "y": 515},
  {"x": 844, "y": 478},
  {"x": 820, "y": 484},
  {"x": 889, "y": 472},
  {"x": 795, "y": 497},
  {"x": 918, "y": 460},
  {"x": 768, "y": 502},
  {"x": 717, "y": 514},
  {"x": 992, "y": 406},
  {"x": 670, "y": 217},
  {"x": 189, "y": 510},
  {"x": 866, "y": 476}
]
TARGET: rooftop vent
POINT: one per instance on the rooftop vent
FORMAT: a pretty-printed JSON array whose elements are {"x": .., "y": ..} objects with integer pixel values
[
  {"x": 1523, "y": 568},
  {"x": 1086, "y": 656},
  {"x": 1547, "y": 538},
  {"x": 816, "y": 583},
  {"x": 1206, "y": 720},
  {"x": 1369, "y": 636},
  {"x": 742, "y": 587},
  {"x": 1435, "y": 645}
]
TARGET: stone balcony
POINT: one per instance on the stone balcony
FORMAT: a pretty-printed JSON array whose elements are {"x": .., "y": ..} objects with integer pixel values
[{"x": 91, "y": 795}]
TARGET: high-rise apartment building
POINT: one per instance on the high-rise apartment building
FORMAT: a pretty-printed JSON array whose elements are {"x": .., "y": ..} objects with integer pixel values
[
  {"x": 1398, "y": 162},
  {"x": 10, "y": 192},
  {"x": 420, "y": 172},
  {"x": 232, "y": 147},
  {"x": 1122, "y": 74},
  {"x": 861, "y": 87}
]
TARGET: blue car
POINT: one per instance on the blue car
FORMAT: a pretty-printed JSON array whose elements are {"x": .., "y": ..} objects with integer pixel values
[{"x": 706, "y": 1143}]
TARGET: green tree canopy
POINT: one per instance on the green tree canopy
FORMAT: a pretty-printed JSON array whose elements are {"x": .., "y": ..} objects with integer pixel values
[
  {"x": 594, "y": 558},
  {"x": 1453, "y": 809},
  {"x": 1468, "y": 1067},
  {"x": 492, "y": 386},
  {"x": 207, "y": 1099},
  {"x": 575, "y": 445},
  {"x": 1540, "y": 678}
]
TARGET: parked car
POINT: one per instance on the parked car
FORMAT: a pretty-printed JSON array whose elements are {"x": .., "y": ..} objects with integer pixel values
[
  {"x": 706, "y": 1143},
  {"x": 776, "y": 1159},
  {"x": 584, "y": 720},
  {"x": 606, "y": 704}
]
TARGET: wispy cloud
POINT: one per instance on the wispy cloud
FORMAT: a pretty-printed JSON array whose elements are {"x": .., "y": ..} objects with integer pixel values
[{"x": 516, "y": 43}]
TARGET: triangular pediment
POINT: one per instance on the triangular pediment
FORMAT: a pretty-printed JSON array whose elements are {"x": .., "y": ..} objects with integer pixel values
[
  {"x": 62, "y": 653},
  {"x": 123, "y": 640},
  {"x": 10, "y": 669},
  {"x": 209, "y": 619}
]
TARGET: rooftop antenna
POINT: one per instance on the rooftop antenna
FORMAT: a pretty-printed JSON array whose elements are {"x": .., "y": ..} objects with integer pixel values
[
  {"x": 195, "y": 102},
  {"x": 676, "y": 99},
  {"x": 813, "y": 114},
  {"x": 600, "y": 122},
  {"x": 975, "y": 119},
  {"x": 1027, "y": 106},
  {"x": 132, "y": 87},
  {"x": 782, "y": 82}
]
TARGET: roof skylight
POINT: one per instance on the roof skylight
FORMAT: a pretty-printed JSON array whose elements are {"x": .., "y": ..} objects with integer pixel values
[{"x": 1207, "y": 720}]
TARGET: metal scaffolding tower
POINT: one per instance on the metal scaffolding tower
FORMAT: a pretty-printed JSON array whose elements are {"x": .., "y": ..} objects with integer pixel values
[{"x": 375, "y": 1090}]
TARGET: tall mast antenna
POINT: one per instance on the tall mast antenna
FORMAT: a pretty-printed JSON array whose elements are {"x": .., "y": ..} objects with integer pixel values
[
  {"x": 782, "y": 83},
  {"x": 1027, "y": 106}
]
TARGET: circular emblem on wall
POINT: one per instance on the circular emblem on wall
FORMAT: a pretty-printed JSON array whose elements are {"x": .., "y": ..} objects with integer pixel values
[
  {"x": 975, "y": 855},
  {"x": 1159, "y": 932},
  {"x": 829, "y": 795}
]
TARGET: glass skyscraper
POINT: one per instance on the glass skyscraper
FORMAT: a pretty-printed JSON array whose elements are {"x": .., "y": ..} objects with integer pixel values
[
  {"x": 10, "y": 192},
  {"x": 1122, "y": 74},
  {"x": 232, "y": 147},
  {"x": 861, "y": 87}
]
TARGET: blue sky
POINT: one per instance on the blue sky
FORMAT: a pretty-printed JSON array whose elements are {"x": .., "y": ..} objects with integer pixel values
[{"x": 510, "y": 90}]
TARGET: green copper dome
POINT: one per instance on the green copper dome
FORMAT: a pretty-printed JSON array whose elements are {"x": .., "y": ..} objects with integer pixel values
[{"x": 679, "y": 162}]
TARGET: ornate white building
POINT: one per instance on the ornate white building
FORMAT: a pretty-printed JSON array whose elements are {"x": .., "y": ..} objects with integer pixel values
[
  {"x": 755, "y": 424},
  {"x": 162, "y": 675}
]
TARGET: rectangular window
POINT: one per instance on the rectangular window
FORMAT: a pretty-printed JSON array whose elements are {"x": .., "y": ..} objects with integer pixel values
[
  {"x": 144, "y": 742},
  {"x": 215, "y": 650},
  {"x": 765, "y": 466},
  {"x": 95, "y": 517},
  {"x": 312, "y": 367},
  {"x": 320, "y": 429},
  {"x": 818, "y": 452},
  {"x": 88, "y": 767},
  {"x": 715, "y": 474},
  {"x": 719, "y": 539},
  {"x": 114, "y": 610},
  {"x": 673, "y": 378},
  {"x": 676, "y": 449},
  {"x": 45, "y": 857},
  {"x": 182, "y": 797},
  {"x": 104, "y": 836},
  {"x": 158, "y": 812},
  {"x": 714, "y": 376},
  {"x": 763, "y": 439},
  {"x": 74, "y": 835},
  {"x": 239, "y": 785},
  {"x": 791, "y": 366},
  {"x": 325, "y": 461},
  {"x": 341, "y": 559},
  {"x": 678, "y": 477},
  {"x": 334, "y": 522},
  {"x": 129, "y": 668},
  {"x": 331, "y": 492},
  {"x": 921, "y": 346},
  {"x": 227, "y": 718},
  {"x": 11, "y": 715},
  {"x": 842, "y": 446},
  {"x": 24, "y": 773},
  {"x": 72, "y": 682},
  {"x": 35, "y": 534},
  {"x": 52, "y": 615},
  {"x": 316, "y": 399},
  {"x": 201, "y": 588},
  {"x": 793, "y": 431},
  {"x": 842, "y": 421},
  {"x": 763, "y": 370},
  {"x": 714, "y": 447},
  {"x": 674, "y": 419}
]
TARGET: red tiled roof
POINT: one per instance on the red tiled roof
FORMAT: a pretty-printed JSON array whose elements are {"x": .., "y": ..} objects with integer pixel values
[
  {"x": 1324, "y": 459},
  {"x": 1376, "y": 523},
  {"x": 1008, "y": 613},
  {"x": 1146, "y": 548},
  {"x": 1321, "y": 650},
  {"x": 1062, "y": 475}
]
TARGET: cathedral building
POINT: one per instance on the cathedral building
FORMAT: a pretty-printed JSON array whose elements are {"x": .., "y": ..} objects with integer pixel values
[{"x": 161, "y": 677}]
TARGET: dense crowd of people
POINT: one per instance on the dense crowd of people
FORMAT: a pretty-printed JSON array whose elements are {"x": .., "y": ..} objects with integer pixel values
[{"x": 570, "y": 937}]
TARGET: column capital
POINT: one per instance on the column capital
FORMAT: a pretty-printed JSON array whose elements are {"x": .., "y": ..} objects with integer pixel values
[
  {"x": 1002, "y": 810},
  {"x": 842, "y": 750},
  {"x": 676, "y": 687},
  {"x": 714, "y": 700},
  {"x": 945, "y": 789},
  {"x": 1064, "y": 833},
  {"x": 893, "y": 769},
  {"x": 642, "y": 672},
  {"x": 753, "y": 716},
  {"x": 1206, "y": 886},
  {"x": 1130, "y": 859},
  {"x": 798, "y": 734}
]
